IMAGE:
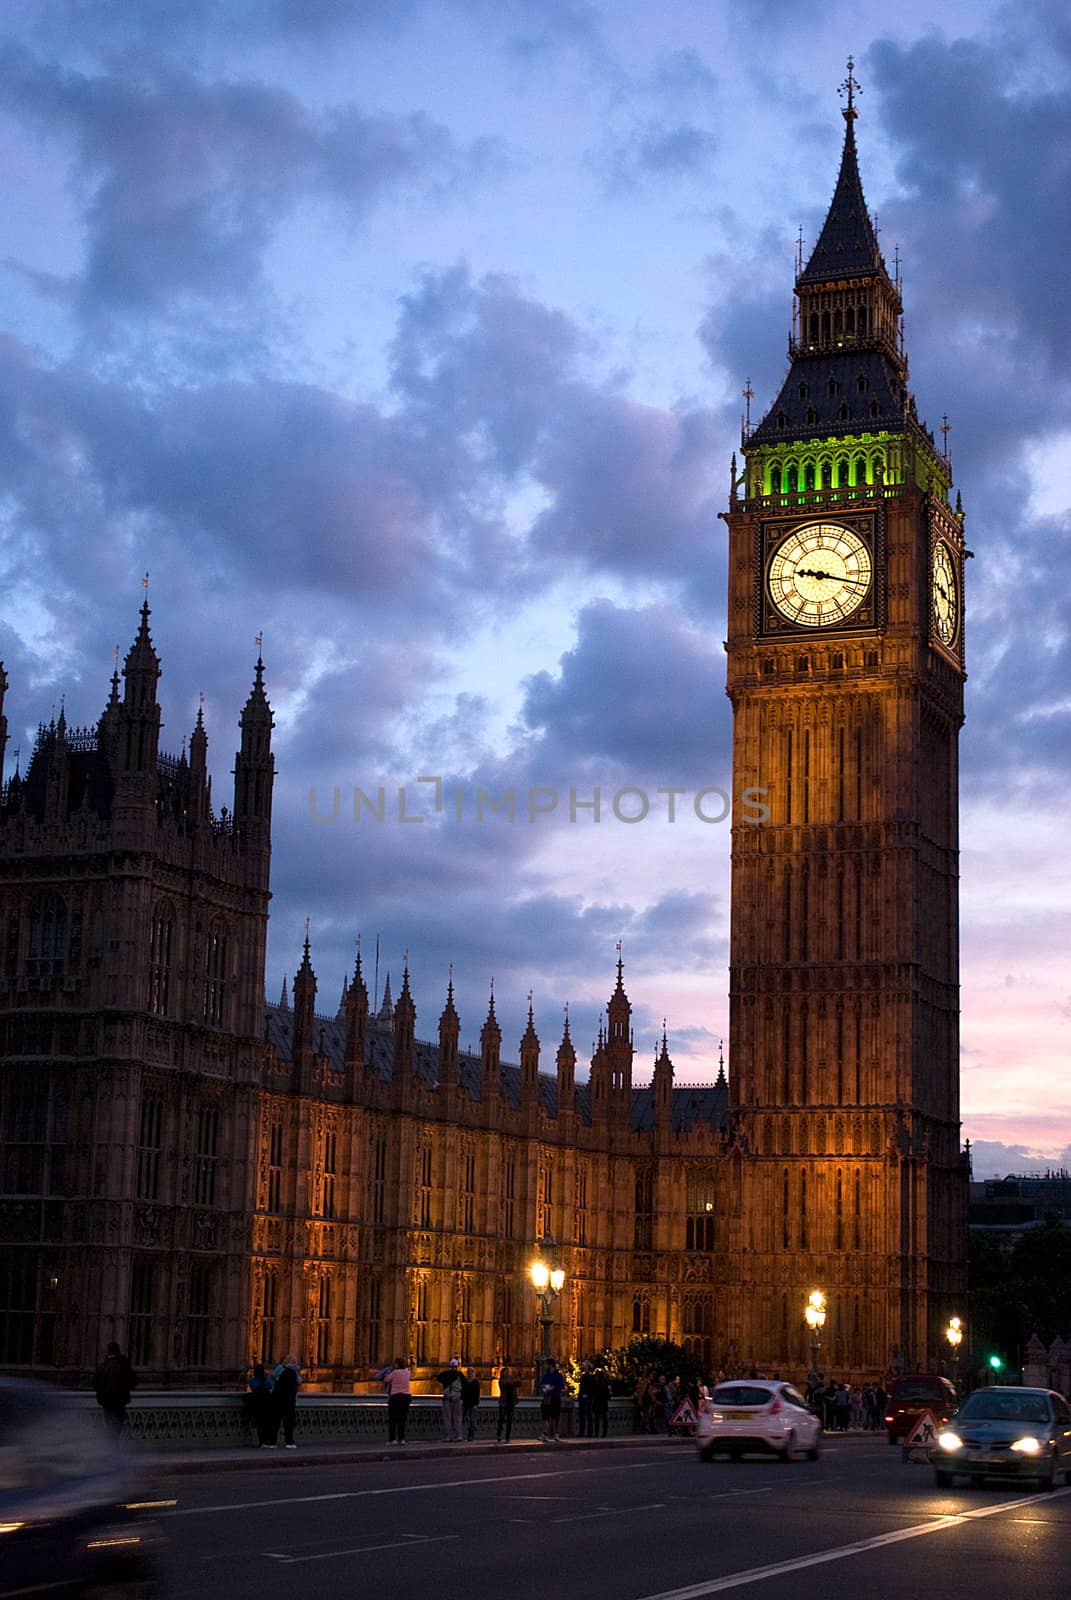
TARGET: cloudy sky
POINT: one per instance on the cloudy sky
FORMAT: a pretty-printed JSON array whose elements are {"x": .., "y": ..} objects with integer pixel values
[{"x": 412, "y": 333}]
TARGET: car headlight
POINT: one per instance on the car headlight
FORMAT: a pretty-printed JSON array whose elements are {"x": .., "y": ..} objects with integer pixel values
[
  {"x": 949, "y": 1440},
  {"x": 1028, "y": 1445},
  {"x": 716, "y": 1416}
]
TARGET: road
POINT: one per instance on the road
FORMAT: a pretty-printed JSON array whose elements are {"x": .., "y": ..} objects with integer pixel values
[{"x": 625, "y": 1524}]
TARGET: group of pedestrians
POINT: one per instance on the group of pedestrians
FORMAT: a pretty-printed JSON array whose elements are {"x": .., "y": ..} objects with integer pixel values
[
  {"x": 592, "y": 1401},
  {"x": 272, "y": 1400},
  {"x": 461, "y": 1393},
  {"x": 842, "y": 1407},
  {"x": 657, "y": 1398}
]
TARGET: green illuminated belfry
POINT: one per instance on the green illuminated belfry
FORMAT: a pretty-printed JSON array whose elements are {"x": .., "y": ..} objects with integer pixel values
[{"x": 844, "y": 417}]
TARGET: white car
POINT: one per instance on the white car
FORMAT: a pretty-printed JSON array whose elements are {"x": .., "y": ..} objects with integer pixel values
[{"x": 757, "y": 1414}]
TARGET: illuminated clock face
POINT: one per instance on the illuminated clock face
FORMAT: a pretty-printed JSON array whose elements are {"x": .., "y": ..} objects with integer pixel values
[
  {"x": 820, "y": 575},
  {"x": 945, "y": 595}
]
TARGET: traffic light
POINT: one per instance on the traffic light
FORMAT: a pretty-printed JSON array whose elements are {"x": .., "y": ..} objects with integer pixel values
[{"x": 996, "y": 1363}]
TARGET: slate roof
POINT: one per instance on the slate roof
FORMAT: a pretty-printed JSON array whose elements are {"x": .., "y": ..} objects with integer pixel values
[
  {"x": 694, "y": 1105},
  {"x": 884, "y": 384},
  {"x": 847, "y": 245}
]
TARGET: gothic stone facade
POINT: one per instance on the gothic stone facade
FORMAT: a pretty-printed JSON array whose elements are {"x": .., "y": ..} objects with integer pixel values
[{"x": 211, "y": 1180}]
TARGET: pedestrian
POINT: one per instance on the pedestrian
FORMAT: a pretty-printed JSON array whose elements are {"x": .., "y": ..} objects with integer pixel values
[
  {"x": 585, "y": 1424},
  {"x": 551, "y": 1408},
  {"x": 259, "y": 1401},
  {"x": 397, "y": 1384},
  {"x": 450, "y": 1379},
  {"x": 600, "y": 1403},
  {"x": 842, "y": 1405},
  {"x": 856, "y": 1418},
  {"x": 470, "y": 1402},
  {"x": 656, "y": 1390},
  {"x": 286, "y": 1380},
  {"x": 115, "y": 1381},
  {"x": 670, "y": 1391},
  {"x": 508, "y": 1387}
]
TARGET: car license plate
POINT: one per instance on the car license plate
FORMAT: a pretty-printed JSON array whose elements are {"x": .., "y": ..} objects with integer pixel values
[
  {"x": 984, "y": 1457},
  {"x": 737, "y": 1416}
]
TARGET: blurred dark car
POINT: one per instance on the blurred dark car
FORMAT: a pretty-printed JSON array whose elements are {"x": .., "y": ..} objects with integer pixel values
[
  {"x": 77, "y": 1517},
  {"x": 909, "y": 1398},
  {"x": 1006, "y": 1432}
]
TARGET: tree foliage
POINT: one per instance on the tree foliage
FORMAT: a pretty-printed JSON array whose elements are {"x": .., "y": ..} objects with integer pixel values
[
  {"x": 648, "y": 1357},
  {"x": 1018, "y": 1289}
]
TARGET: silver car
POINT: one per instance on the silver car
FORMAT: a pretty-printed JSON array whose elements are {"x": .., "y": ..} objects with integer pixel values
[
  {"x": 1005, "y": 1433},
  {"x": 757, "y": 1414}
]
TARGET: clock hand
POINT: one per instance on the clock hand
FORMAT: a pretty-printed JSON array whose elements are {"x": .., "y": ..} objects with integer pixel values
[{"x": 830, "y": 577}]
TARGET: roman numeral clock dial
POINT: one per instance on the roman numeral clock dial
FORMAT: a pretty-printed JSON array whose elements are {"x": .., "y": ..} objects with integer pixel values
[
  {"x": 945, "y": 594},
  {"x": 819, "y": 575}
]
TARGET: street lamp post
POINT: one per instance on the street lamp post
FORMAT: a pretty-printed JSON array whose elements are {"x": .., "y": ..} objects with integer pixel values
[
  {"x": 954, "y": 1335},
  {"x": 547, "y": 1282},
  {"x": 814, "y": 1314}
]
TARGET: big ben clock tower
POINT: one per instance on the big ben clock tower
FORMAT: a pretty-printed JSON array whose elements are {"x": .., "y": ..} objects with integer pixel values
[{"x": 845, "y": 672}]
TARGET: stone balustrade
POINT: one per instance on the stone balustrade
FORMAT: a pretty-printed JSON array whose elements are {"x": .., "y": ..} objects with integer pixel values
[{"x": 169, "y": 1420}]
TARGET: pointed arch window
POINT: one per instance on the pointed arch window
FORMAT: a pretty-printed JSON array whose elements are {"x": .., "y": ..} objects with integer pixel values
[
  {"x": 838, "y": 323},
  {"x": 812, "y": 414},
  {"x": 862, "y": 321},
  {"x": 802, "y": 391},
  {"x": 782, "y": 419},
  {"x": 813, "y": 326},
  {"x": 875, "y": 409},
  {"x": 859, "y": 465},
  {"x": 48, "y": 937},
  {"x": 808, "y": 472},
  {"x": 161, "y": 939},
  {"x": 849, "y": 320},
  {"x": 643, "y": 1228},
  {"x": 845, "y": 413},
  {"x": 217, "y": 965},
  {"x": 862, "y": 383},
  {"x": 832, "y": 387}
]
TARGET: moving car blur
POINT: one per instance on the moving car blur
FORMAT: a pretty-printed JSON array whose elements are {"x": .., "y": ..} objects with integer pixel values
[
  {"x": 77, "y": 1516},
  {"x": 910, "y": 1397},
  {"x": 756, "y": 1414},
  {"x": 1004, "y": 1433}
]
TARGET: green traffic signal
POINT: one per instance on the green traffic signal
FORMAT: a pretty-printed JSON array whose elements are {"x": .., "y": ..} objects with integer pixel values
[{"x": 996, "y": 1363}]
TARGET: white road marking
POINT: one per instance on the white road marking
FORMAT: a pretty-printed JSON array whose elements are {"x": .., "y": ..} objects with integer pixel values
[
  {"x": 737, "y": 1580},
  {"x": 399, "y": 1488},
  {"x": 611, "y": 1511},
  {"x": 408, "y": 1542}
]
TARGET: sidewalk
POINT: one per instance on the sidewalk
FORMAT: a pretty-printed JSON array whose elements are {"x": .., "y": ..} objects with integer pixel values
[{"x": 249, "y": 1458}]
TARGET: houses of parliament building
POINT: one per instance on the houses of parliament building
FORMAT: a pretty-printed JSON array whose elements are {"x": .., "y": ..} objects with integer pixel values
[{"x": 211, "y": 1179}]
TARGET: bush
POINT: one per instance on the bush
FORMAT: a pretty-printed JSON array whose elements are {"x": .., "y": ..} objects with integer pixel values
[{"x": 646, "y": 1358}]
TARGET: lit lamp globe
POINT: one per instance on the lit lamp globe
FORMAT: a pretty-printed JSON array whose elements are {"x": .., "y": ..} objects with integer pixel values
[
  {"x": 815, "y": 1310},
  {"x": 557, "y": 1280},
  {"x": 541, "y": 1275}
]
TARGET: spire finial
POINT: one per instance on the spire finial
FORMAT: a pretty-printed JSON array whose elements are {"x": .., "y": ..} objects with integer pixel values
[
  {"x": 308, "y": 924},
  {"x": 851, "y": 87}
]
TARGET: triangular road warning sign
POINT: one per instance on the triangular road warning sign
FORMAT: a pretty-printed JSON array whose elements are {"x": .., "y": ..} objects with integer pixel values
[
  {"x": 924, "y": 1432},
  {"x": 684, "y": 1416}
]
